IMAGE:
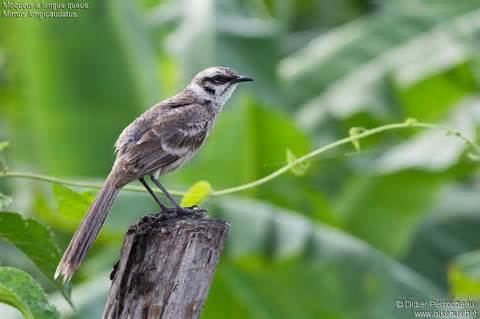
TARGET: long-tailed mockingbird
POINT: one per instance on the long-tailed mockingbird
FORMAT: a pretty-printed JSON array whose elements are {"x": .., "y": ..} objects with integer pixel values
[{"x": 159, "y": 141}]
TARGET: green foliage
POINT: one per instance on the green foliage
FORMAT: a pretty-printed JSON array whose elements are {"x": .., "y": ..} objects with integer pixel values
[
  {"x": 299, "y": 169},
  {"x": 19, "y": 290},
  {"x": 353, "y": 132},
  {"x": 411, "y": 120},
  {"x": 390, "y": 202},
  {"x": 5, "y": 201},
  {"x": 464, "y": 276},
  {"x": 433, "y": 97},
  {"x": 3, "y": 163},
  {"x": 196, "y": 194},
  {"x": 73, "y": 205},
  {"x": 4, "y": 145},
  {"x": 449, "y": 232},
  {"x": 70, "y": 206},
  {"x": 34, "y": 240},
  {"x": 360, "y": 60},
  {"x": 84, "y": 80}
]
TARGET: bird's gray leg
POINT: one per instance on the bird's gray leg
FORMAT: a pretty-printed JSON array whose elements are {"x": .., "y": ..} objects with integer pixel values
[
  {"x": 159, "y": 202},
  {"x": 180, "y": 210},
  {"x": 164, "y": 191}
]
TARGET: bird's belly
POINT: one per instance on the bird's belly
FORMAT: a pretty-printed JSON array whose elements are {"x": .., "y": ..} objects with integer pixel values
[{"x": 175, "y": 165}]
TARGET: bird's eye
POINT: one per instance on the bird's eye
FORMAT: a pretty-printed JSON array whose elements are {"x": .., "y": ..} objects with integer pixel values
[{"x": 218, "y": 79}]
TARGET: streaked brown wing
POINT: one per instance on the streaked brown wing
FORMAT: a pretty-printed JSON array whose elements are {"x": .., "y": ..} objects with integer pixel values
[
  {"x": 160, "y": 112},
  {"x": 163, "y": 145}
]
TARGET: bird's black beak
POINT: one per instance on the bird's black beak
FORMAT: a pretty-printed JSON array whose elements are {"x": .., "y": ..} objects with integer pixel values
[{"x": 242, "y": 78}]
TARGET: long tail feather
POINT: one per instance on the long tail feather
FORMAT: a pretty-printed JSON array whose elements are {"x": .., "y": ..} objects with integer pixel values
[{"x": 88, "y": 231}]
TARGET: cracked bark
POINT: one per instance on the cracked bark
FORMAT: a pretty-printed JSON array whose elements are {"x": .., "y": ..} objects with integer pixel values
[{"x": 166, "y": 268}]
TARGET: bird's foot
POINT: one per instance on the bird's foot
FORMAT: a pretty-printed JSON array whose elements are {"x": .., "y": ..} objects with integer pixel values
[
  {"x": 193, "y": 211},
  {"x": 168, "y": 212},
  {"x": 189, "y": 212}
]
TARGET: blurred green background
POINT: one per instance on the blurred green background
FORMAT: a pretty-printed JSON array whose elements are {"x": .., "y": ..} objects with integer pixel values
[{"x": 360, "y": 230}]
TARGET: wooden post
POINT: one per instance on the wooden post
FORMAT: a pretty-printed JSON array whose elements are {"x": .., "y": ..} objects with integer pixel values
[{"x": 166, "y": 267}]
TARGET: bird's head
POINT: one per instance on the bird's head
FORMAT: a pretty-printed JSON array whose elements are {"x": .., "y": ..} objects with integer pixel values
[{"x": 217, "y": 83}]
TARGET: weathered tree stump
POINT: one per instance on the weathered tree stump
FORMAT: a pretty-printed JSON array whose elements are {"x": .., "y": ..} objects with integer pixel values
[{"x": 166, "y": 267}]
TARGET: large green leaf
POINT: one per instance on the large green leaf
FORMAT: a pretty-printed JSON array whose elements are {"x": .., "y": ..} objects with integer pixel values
[
  {"x": 314, "y": 271},
  {"x": 304, "y": 19},
  {"x": 432, "y": 97},
  {"x": 19, "y": 290},
  {"x": 71, "y": 204},
  {"x": 344, "y": 70},
  {"x": 34, "y": 240},
  {"x": 223, "y": 300},
  {"x": 384, "y": 209},
  {"x": 464, "y": 276},
  {"x": 31, "y": 237},
  {"x": 82, "y": 89},
  {"x": 434, "y": 150},
  {"x": 448, "y": 233}
]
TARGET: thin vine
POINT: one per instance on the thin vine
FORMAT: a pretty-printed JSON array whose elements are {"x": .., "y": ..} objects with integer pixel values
[{"x": 410, "y": 123}]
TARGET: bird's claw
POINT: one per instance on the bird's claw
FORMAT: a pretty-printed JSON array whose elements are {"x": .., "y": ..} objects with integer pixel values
[
  {"x": 179, "y": 211},
  {"x": 186, "y": 211}
]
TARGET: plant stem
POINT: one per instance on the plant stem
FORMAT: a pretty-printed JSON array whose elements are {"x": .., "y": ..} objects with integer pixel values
[
  {"x": 69, "y": 182},
  {"x": 266, "y": 179}
]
